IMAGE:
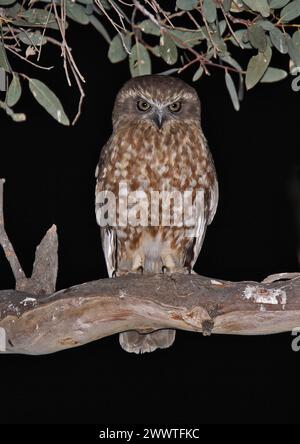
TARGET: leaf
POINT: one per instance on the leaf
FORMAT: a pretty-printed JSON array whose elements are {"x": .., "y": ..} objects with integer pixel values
[
  {"x": 209, "y": 10},
  {"x": 40, "y": 17},
  {"x": 257, "y": 37},
  {"x": 139, "y": 61},
  {"x": 239, "y": 35},
  {"x": 198, "y": 74},
  {"x": 168, "y": 50},
  {"x": 6, "y": 2},
  {"x": 290, "y": 11},
  {"x": 273, "y": 75},
  {"x": 186, "y": 5},
  {"x": 228, "y": 59},
  {"x": 100, "y": 28},
  {"x": 117, "y": 52},
  {"x": 148, "y": 27},
  {"x": 14, "y": 92},
  {"x": 279, "y": 40},
  {"x": 232, "y": 91},
  {"x": 184, "y": 39},
  {"x": 77, "y": 13},
  {"x": 266, "y": 25},
  {"x": 3, "y": 58},
  {"x": 32, "y": 38},
  {"x": 296, "y": 37},
  {"x": 260, "y": 6},
  {"x": 48, "y": 100},
  {"x": 257, "y": 66},
  {"x": 222, "y": 26},
  {"x": 227, "y": 5},
  {"x": 294, "y": 52},
  {"x": 276, "y": 4}
]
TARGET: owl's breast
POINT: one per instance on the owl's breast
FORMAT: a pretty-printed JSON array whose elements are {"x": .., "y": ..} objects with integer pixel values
[{"x": 146, "y": 158}]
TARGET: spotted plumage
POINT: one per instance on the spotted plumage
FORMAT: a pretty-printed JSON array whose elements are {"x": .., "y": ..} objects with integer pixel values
[{"x": 157, "y": 145}]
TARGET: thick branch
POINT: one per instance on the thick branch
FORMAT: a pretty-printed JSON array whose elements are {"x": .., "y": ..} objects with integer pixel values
[{"x": 90, "y": 311}]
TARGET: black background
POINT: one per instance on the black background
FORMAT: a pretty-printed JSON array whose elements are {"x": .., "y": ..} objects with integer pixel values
[{"x": 50, "y": 179}]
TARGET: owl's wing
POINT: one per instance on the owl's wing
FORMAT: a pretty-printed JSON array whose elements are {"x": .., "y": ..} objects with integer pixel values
[
  {"x": 108, "y": 234},
  {"x": 205, "y": 215}
]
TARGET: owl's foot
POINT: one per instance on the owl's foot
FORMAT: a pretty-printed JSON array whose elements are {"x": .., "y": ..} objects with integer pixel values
[{"x": 180, "y": 270}]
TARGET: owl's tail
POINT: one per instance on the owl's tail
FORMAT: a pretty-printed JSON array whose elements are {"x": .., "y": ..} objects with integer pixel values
[{"x": 134, "y": 342}]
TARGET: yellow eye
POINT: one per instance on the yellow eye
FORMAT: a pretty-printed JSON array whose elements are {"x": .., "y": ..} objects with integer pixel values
[
  {"x": 175, "y": 107},
  {"x": 143, "y": 105}
]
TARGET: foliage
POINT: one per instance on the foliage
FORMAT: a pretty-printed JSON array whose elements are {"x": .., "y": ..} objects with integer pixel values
[{"x": 199, "y": 35}]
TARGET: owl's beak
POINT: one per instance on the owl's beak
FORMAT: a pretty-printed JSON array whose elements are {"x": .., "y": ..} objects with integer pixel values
[{"x": 159, "y": 118}]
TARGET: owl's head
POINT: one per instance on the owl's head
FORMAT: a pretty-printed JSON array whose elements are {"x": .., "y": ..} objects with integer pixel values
[{"x": 158, "y": 99}]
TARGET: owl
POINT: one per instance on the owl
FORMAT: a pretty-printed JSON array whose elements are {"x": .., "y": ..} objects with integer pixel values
[{"x": 157, "y": 152}]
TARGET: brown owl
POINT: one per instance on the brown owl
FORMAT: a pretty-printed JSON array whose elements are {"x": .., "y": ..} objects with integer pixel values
[{"x": 157, "y": 152}]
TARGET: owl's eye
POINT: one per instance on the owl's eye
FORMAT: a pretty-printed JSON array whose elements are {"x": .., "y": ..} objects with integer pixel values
[
  {"x": 143, "y": 105},
  {"x": 175, "y": 107}
]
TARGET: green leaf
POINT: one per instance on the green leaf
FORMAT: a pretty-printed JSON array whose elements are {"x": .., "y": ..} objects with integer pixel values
[
  {"x": 185, "y": 39},
  {"x": 14, "y": 92},
  {"x": 6, "y": 2},
  {"x": 279, "y": 40},
  {"x": 257, "y": 66},
  {"x": 227, "y": 5},
  {"x": 266, "y": 25},
  {"x": 209, "y": 10},
  {"x": 48, "y": 100},
  {"x": 296, "y": 37},
  {"x": 276, "y": 4},
  {"x": 273, "y": 75},
  {"x": 239, "y": 35},
  {"x": 32, "y": 38},
  {"x": 77, "y": 13},
  {"x": 222, "y": 26},
  {"x": 257, "y": 37},
  {"x": 230, "y": 61},
  {"x": 148, "y": 27},
  {"x": 198, "y": 74},
  {"x": 260, "y": 6},
  {"x": 100, "y": 28},
  {"x": 139, "y": 60},
  {"x": 40, "y": 17},
  {"x": 232, "y": 91},
  {"x": 187, "y": 5},
  {"x": 290, "y": 11},
  {"x": 168, "y": 50},
  {"x": 117, "y": 52},
  {"x": 294, "y": 52},
  {"x": 4, "y": 63}
]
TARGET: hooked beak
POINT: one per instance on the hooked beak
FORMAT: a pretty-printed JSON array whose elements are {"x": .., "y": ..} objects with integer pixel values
[{"x": 159, "y": 118}]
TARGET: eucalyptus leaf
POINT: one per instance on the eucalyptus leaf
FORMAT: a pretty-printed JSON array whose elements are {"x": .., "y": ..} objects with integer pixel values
[
  {"x": 227, "y": 5},
  {"x": 210, "y": 10},
  {"x": 148, "y": 27},
  {"x": 222, "y": 26},
  {"x": 230, "y": 61},
  {"x": 279, "y": 40},
  {"x": 273, "y": 75},
  {"x": 276, "y": 4},
  {"x": 77, "y": 13},
  {"x": 139, "y": 60},
  {"x": 6, "y": 2},
  {"x": 117, "y": 51},
  {"x": 48, "y": 100},
  {"x": 198, "y": 74},
  {"x": 187, "y": 5},
  {"x": 4, "y": 63},
  {"x": 265, "y": 24},
  {"x": 257, "y": 37},
  {"x": 168, "y": 50},
  {"x": 296, "y": 38},
  {"x": 40, "y": 17},
  {"x": 294, "y": 52},
  {"x": 232, "y": 91},
  {"x": 290, "y": 11},
  {"x": 239, "y": 36},
  {"x": 34, "y": 38},
  {"x": 14, "y": 91},
  {"x": 261, "y": 6},
  {"x": 257, "y": 66},
  {"x": 185, "y": 39}
]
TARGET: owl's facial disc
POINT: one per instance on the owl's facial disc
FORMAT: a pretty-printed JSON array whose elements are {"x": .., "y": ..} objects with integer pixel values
[{"x": 158, "y": 113}]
